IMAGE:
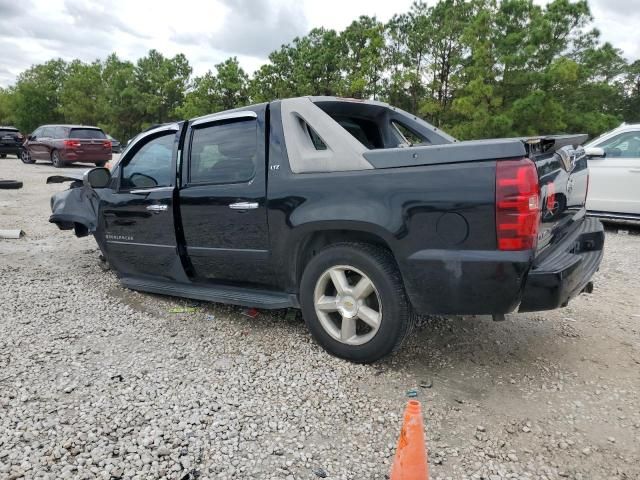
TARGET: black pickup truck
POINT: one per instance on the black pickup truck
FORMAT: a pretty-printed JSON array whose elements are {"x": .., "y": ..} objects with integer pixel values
[{"x": 359, "y": 213}]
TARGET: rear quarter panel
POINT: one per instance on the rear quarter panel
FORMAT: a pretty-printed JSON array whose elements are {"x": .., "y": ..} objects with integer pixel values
[{"x": 438, "y": 221}]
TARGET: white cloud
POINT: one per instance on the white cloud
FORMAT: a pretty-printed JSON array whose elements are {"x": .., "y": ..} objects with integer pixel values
[{"x": 208, "y": 31}]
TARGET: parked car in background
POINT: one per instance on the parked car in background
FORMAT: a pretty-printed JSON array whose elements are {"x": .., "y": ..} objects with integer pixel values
[
  {"x": 116, "y": 146},
  {"x": 66, "y": 144},
  {"x": 10, "y": 141},
  {"x": 357, "y": 212},
  {"x": 614, "y": 165}
]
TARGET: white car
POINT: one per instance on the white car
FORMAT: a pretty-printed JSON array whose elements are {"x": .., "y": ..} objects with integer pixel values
[{"x": 614, "y": 174}]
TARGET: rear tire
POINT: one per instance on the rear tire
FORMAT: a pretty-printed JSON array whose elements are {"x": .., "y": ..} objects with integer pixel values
[
  {"x": 25, "y": 156},
  {"x": 364, "y": 319},
  {"x": 3, "y": 155},
  {"x": 56, "y": 160}
]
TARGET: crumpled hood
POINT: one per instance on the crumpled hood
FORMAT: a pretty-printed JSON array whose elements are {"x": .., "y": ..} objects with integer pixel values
[{"x": 75, "y": 208}]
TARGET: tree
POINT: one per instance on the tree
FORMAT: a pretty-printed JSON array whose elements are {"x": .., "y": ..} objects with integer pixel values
[
  {"x": 445, "y": 25},
  {"x": 6, "y": 106},
  {"x": 80, "y": 93},
  {"x": 36, "y": 95},
  {"x": 310, "y": 65},
  {"x": 162, "y": 83},
  {"x": 210, "y": 93},
  {"x": 363, "y": 62},
  {"x": 632, "y": 92},
  {"x": 231, "y": 84},
  {"x": 120, "y": 105}
]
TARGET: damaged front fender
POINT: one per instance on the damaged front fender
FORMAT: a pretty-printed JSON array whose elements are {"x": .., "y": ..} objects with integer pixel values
[{"x": 76, "y": 208}]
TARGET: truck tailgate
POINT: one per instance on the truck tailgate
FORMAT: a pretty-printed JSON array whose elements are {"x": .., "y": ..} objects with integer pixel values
[{"x": 564, "y": 178}]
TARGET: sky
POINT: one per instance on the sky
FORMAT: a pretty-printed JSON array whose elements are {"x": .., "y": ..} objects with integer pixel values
[{"x": 209, "y": 31}]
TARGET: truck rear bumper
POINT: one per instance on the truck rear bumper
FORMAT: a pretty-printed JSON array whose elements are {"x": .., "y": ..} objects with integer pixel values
[
  {"x": 480, "y": 282},
  {"x": 465, "y": 282},
  {"x": 567, "y": 271}
]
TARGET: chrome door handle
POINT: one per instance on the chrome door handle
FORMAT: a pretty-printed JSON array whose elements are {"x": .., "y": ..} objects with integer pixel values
[
  {"x": 157, "y": 208},
  {"x": 244, "y": 205}
]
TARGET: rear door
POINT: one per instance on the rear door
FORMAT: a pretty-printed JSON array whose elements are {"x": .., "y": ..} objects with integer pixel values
[
  {"x": 615, "y": 179},
  {"x": 39, "y": 147},
  {"x": 222, "y": 198},
  {"x": 47, "y": 142},
  {"x": 136, "y": 224}
]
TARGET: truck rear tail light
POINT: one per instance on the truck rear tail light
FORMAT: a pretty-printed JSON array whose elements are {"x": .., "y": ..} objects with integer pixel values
[
  {"x": 71, "y": 143},
  {"x": 517, "y": 204}
]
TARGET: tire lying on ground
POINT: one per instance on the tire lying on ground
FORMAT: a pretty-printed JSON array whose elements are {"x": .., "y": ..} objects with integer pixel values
[{"x": 10, "y": 184}]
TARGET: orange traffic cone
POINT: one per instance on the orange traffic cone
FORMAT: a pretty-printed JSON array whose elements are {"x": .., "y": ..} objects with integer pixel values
[{"x": 411, "y": 454}]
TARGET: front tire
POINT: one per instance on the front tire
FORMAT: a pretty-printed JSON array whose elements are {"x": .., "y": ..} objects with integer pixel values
[
  {"x": 25, "y": 156},
  {"x": 353, "y": 302},
  {"x": 56, "y": 160}
]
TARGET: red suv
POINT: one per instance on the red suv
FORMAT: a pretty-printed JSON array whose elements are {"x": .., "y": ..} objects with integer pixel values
[{"x": 64, "y": 144}]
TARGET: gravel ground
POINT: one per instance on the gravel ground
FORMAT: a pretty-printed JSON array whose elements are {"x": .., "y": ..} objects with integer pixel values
[{"x": 101, "y": 382}]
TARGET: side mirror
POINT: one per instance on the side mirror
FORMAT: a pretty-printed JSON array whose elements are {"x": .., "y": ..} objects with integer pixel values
[
  {"x": 595, "y": 152},
  {"x": 97, "y": 177},
  {"x": 31, "y": 137}
]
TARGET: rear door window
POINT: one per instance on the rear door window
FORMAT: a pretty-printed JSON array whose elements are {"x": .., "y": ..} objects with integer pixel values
[
  {"x": 224, "y": 153},
  {"x": 60, "y": 132},
  {"x": 87, "y": 134}
]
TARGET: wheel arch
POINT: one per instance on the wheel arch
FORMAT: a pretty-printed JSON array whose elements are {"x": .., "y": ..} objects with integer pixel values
[{"x": 316, "y": 237}]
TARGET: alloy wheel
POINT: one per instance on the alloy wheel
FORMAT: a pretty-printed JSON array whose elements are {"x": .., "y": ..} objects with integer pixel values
[{"x": 348, "y": 305}]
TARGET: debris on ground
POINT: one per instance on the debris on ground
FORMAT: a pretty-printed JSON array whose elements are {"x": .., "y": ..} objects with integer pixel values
[
  {"x": 183, "y": 310},
  {"x": 249, "y": 312},
  {"x": 320, "y": 472},
  {"x": 11, "y": 234}
]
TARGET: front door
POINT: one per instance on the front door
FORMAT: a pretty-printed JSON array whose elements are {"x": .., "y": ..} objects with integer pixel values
[
  {"x": 34, "y": 145},
  {"x": 222, "y": 198},
  {"x": 136, "y": 218},
  {"x": 614, "y": 184}
]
